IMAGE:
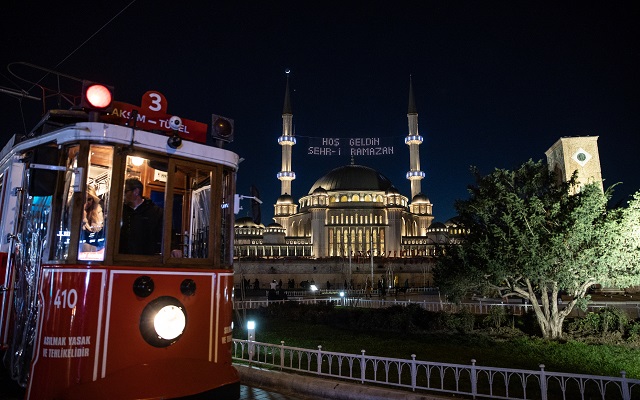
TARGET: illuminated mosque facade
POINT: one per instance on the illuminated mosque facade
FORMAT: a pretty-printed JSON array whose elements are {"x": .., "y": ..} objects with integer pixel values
[{"x": 353, "y": 210}]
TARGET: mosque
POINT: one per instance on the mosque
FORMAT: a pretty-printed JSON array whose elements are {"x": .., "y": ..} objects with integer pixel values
[
  {"x": 353, "y": 210},
  {"x": 355, "y": 226}
]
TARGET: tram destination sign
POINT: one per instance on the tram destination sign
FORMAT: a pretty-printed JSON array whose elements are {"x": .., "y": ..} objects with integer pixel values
[
  {"x": 359, "y": 146},
  {"x": 152, "y": 115}
]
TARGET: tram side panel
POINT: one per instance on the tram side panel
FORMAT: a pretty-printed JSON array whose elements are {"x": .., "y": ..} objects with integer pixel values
[{"x": 69, "y": 339}]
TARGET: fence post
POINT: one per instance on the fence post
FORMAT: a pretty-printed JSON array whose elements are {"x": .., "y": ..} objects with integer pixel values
[
  {"x": 543, "y": 383},
  {"x": 414, "y": 372},
  {"x": 363, "y": 365},
  {"x": 281, "y": 355},
  {"x": 625, "y": 386},
  {"x": 474, "y": 379},
  {"x": 319, "y": 360}
]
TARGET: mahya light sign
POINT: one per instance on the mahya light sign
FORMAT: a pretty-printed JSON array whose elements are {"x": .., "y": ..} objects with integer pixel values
[{"x": 360, "y": 146}]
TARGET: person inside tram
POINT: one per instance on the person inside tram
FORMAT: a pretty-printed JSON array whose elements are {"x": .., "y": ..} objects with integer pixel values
[
  {"x": 92, "y": 222},
  {"x": 141, "y": 230}
]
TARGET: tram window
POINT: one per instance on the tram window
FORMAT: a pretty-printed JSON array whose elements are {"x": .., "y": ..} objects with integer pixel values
[
  {"x": 141, "y": 225},
  {"x": 191, "y": 212},
  {"x": 61, "y": 239},
  {"x": 96, "y": 202}
]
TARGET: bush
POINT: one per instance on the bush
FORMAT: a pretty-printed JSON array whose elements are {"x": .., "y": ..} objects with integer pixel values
[
  {"x": 462, "y": 321},
  {"x": 633, "y": 333},
  {"x": 497, "y": 317},
  {"x": 607, "y": 321}
]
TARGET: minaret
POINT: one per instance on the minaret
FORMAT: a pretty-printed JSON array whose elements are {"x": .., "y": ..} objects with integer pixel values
[
  {"x": 287, "y": 140},
  {"x": 413, "y": 140}
]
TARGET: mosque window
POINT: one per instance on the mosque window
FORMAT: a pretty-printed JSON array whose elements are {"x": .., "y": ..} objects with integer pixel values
[{"x": 343, "y": 198}]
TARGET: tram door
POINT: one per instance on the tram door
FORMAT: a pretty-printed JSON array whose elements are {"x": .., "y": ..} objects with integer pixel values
[
  {"x": 11, "y": 177},
  {"x": 33, "y": 209}
]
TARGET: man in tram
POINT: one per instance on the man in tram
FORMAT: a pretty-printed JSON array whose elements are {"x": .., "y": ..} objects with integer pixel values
[{"x": 141, "y": 230}]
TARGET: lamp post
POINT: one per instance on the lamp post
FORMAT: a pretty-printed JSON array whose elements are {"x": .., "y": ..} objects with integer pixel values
[
  {"x": 251, "y": 330},
  {"x": 371, "y": 250}
]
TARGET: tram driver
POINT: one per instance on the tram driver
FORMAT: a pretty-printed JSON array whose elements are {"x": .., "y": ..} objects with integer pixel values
[{"x": 141, "y": 230}]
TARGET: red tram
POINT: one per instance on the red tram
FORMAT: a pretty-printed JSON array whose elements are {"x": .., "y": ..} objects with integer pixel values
[{"x": 99, "y": 300}]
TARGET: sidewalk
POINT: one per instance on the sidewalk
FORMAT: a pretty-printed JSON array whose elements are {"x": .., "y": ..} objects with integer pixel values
[{"x": 322, "y": 388}]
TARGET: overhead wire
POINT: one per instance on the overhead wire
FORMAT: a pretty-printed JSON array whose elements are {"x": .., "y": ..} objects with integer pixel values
[{"x": 21, "y": 94}]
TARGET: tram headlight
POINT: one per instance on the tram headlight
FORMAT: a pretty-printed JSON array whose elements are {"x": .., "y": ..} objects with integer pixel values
[{"x": 163, "y": 321}]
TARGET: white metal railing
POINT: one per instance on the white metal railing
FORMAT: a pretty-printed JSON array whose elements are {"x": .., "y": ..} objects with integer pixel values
[
  {"x": 471, "y": 380},
  {"x": 478, "y": 307}
]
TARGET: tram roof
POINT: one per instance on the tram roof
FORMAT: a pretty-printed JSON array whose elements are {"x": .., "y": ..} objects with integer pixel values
[{"x": 104, "y": 133}]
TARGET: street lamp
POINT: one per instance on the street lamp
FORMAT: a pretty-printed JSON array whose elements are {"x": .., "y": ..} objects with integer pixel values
[{"x": 251, "y": 330}]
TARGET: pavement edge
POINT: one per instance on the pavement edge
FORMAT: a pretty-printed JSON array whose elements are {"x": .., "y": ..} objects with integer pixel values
[{"x": 324, "y": 388}]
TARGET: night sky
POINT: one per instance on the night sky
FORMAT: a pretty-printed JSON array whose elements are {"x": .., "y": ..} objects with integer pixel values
[{"x": 495, "y": 83}]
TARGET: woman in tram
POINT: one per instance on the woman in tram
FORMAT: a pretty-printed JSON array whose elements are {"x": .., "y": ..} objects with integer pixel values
[{"x": 92, "y": 222}]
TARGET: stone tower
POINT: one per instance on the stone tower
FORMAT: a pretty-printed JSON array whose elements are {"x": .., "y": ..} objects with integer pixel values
[{"x": 570, "y": 154}]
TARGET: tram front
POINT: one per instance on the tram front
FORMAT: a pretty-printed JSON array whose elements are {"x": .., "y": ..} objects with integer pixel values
[{"x": 119, "y": 265}]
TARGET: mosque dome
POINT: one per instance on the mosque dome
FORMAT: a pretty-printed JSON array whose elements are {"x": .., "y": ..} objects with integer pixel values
[
  {"x": 391, "y": 191},
  {"x": 285, "y": 199},
  {"x": 352, "y": 177},
  {"x": 246, "y": 222},
  {"x": 420, "y": 198},
  {"x": 319, "y": 191}
]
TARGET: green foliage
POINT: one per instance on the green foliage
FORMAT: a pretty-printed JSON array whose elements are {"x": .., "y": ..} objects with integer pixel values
[
  {"x": 607, "y": 320},
  {"x": 462, "y": 322},
  {"x": 633, "y": 333},
  {"x": 497, "y": 317},
  {"x": 530, "y": 237}
]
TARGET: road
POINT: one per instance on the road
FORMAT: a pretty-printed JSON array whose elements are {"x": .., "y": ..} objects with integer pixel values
[{"x": 9, "y": 390}]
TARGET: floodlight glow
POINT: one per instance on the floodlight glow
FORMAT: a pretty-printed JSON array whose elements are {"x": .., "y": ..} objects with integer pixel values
[
  {"x": 341, "y": 294},
  {"x": 169, "y": 322},
  {"x": 251, "y": 325},
  {"x": 314, "y": 288}
]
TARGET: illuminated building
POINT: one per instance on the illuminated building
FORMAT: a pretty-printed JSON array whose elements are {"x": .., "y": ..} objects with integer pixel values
[{"x": 352, "y": 210}]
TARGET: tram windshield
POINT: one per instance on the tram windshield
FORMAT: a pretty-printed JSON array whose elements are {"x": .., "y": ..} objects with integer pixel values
[{"x": 117, "y": 207}]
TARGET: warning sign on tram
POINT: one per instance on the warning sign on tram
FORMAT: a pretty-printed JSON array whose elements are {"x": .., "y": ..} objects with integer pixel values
[{"x": 152, "y": 115}]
